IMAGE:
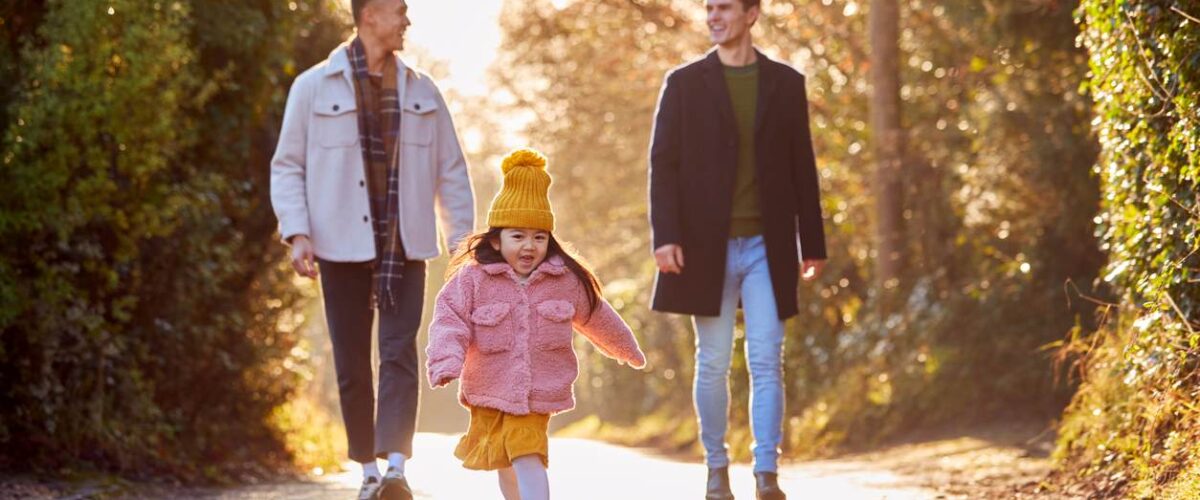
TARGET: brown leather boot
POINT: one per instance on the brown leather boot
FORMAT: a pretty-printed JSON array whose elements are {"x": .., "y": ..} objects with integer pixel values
[
  {"x": 767, "y": 486},
  {"x": 718, "y": 485}
]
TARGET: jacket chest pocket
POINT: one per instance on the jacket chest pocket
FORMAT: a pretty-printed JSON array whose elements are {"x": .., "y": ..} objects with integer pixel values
[
  {"x": 554, "y": 325},
  {"x": 492, "y": 333},
  {"x": 335, "y": 123},
  {"x": 418, "y": 122}
]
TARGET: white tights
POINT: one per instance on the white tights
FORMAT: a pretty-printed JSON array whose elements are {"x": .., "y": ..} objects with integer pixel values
[{"x": 525, "y": 480}]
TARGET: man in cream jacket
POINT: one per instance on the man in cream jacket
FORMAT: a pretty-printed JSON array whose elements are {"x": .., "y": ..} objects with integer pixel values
[{"x": 367, "y": 159}]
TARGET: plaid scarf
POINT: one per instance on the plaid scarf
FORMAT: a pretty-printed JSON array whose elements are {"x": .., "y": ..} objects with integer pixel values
[{"x": 378, "y": 128}]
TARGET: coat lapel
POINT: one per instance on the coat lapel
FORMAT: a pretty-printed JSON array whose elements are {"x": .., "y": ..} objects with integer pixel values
[
  {"x": 339, "y": 64},
  {"x": 714, "y": 78},
  {"x": 768, "y": 80},
  {"x": 401, "y": 82}
]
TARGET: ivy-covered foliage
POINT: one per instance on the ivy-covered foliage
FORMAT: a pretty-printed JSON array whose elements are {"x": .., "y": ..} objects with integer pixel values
[{"x": 1134, "y": 423}]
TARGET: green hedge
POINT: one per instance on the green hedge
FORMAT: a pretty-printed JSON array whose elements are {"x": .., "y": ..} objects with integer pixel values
[
  {"x": 145, "y": 321},
  {"x": 1133, "y": 423}
]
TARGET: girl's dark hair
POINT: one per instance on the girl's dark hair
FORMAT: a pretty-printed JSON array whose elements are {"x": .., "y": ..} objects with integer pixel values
[{"x": 476, "y": 248}]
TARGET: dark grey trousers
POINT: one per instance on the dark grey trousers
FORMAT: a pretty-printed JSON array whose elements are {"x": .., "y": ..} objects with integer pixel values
[{"x": 374, "y": 432}]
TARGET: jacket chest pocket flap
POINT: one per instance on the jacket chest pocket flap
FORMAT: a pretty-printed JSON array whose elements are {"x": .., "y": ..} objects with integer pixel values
[
  {"x": 554, "y": 324},
  {"x": 418, "y": 121},
  {"x": 335, "y": 123},
  {"x": 492, "y": 334}
]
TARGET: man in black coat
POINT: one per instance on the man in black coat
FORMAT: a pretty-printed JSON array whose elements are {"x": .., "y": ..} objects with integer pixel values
[{"x": 736, "y": 215}]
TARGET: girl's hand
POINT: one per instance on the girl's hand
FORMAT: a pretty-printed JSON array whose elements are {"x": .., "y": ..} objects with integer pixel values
[
  {"x": 639, "y": 362},
  {"x": 442, "y": 379}
]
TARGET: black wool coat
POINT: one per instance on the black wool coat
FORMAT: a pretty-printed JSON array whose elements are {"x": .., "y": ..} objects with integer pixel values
[{"x": 693, "y": 163}]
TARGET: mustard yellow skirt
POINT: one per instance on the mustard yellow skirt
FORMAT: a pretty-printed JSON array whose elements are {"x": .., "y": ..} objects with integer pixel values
[{"x": 495, "y": 438}]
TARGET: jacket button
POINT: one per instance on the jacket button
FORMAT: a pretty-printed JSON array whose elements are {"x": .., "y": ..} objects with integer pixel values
[
  {"x": 362, "y": 183},
  {"x": 335, "y": 107},
  {"x": 364, "y": 218}
]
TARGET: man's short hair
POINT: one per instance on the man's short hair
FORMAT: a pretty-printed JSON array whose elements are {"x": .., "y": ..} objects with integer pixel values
[
  {"x": 746, "y": 4},
  {"x": 356, "y": 7}
]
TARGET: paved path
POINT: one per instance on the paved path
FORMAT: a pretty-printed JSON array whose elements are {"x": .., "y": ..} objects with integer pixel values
[{"x": 590, "y": 470}]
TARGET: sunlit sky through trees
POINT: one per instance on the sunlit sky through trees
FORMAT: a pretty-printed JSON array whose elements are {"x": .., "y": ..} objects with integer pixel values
[{"x": 463, "y": 34}]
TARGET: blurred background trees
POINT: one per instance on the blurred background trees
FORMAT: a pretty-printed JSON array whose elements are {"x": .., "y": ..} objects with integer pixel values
[
  {"x": 994, "y": 191},
  {"x": 147, "y": 321}
]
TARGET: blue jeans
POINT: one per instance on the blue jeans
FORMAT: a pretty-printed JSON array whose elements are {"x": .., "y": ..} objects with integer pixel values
[{"x": 746, "y": 277}]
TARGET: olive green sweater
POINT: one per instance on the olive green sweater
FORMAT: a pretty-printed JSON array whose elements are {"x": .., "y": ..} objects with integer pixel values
[{"x": 743, "y": 90}]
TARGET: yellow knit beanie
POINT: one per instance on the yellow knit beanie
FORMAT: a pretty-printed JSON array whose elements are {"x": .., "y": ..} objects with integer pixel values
[{"x": 523, "y": 200}]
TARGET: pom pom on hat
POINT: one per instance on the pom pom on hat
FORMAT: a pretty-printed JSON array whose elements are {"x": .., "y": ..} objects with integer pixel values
[{"x": 523, "y": 158}]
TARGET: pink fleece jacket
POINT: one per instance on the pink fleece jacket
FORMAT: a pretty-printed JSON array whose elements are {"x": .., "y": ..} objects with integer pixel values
[{"x": 511, "y": 341}]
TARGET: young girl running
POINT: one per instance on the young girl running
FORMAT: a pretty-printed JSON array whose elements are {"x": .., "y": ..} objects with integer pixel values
[{"x": 504, "y": 321}]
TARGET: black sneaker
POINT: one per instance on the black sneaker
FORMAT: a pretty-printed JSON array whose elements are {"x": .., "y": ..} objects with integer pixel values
[
  {"x": 395, "y": 486},
  {"x": 369, "y": 489},
  {"x": 718, "y": 485}
]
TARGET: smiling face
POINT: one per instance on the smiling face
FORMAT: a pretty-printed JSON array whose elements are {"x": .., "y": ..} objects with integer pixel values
[
  {"x": 386, "y": 21},
  {"x": 729, "y": 21},
  {"x": 523, "y": 249}
]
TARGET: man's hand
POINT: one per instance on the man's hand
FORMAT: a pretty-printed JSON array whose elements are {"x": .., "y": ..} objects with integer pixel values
[
  {"x": 669, "y": 258},
  {"x": 811, "y": 268},
  {"x": 302, "y": 257}
]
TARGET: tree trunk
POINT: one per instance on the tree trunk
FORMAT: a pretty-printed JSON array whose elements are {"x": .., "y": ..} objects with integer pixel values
[{"x": 888, "y": 147}]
